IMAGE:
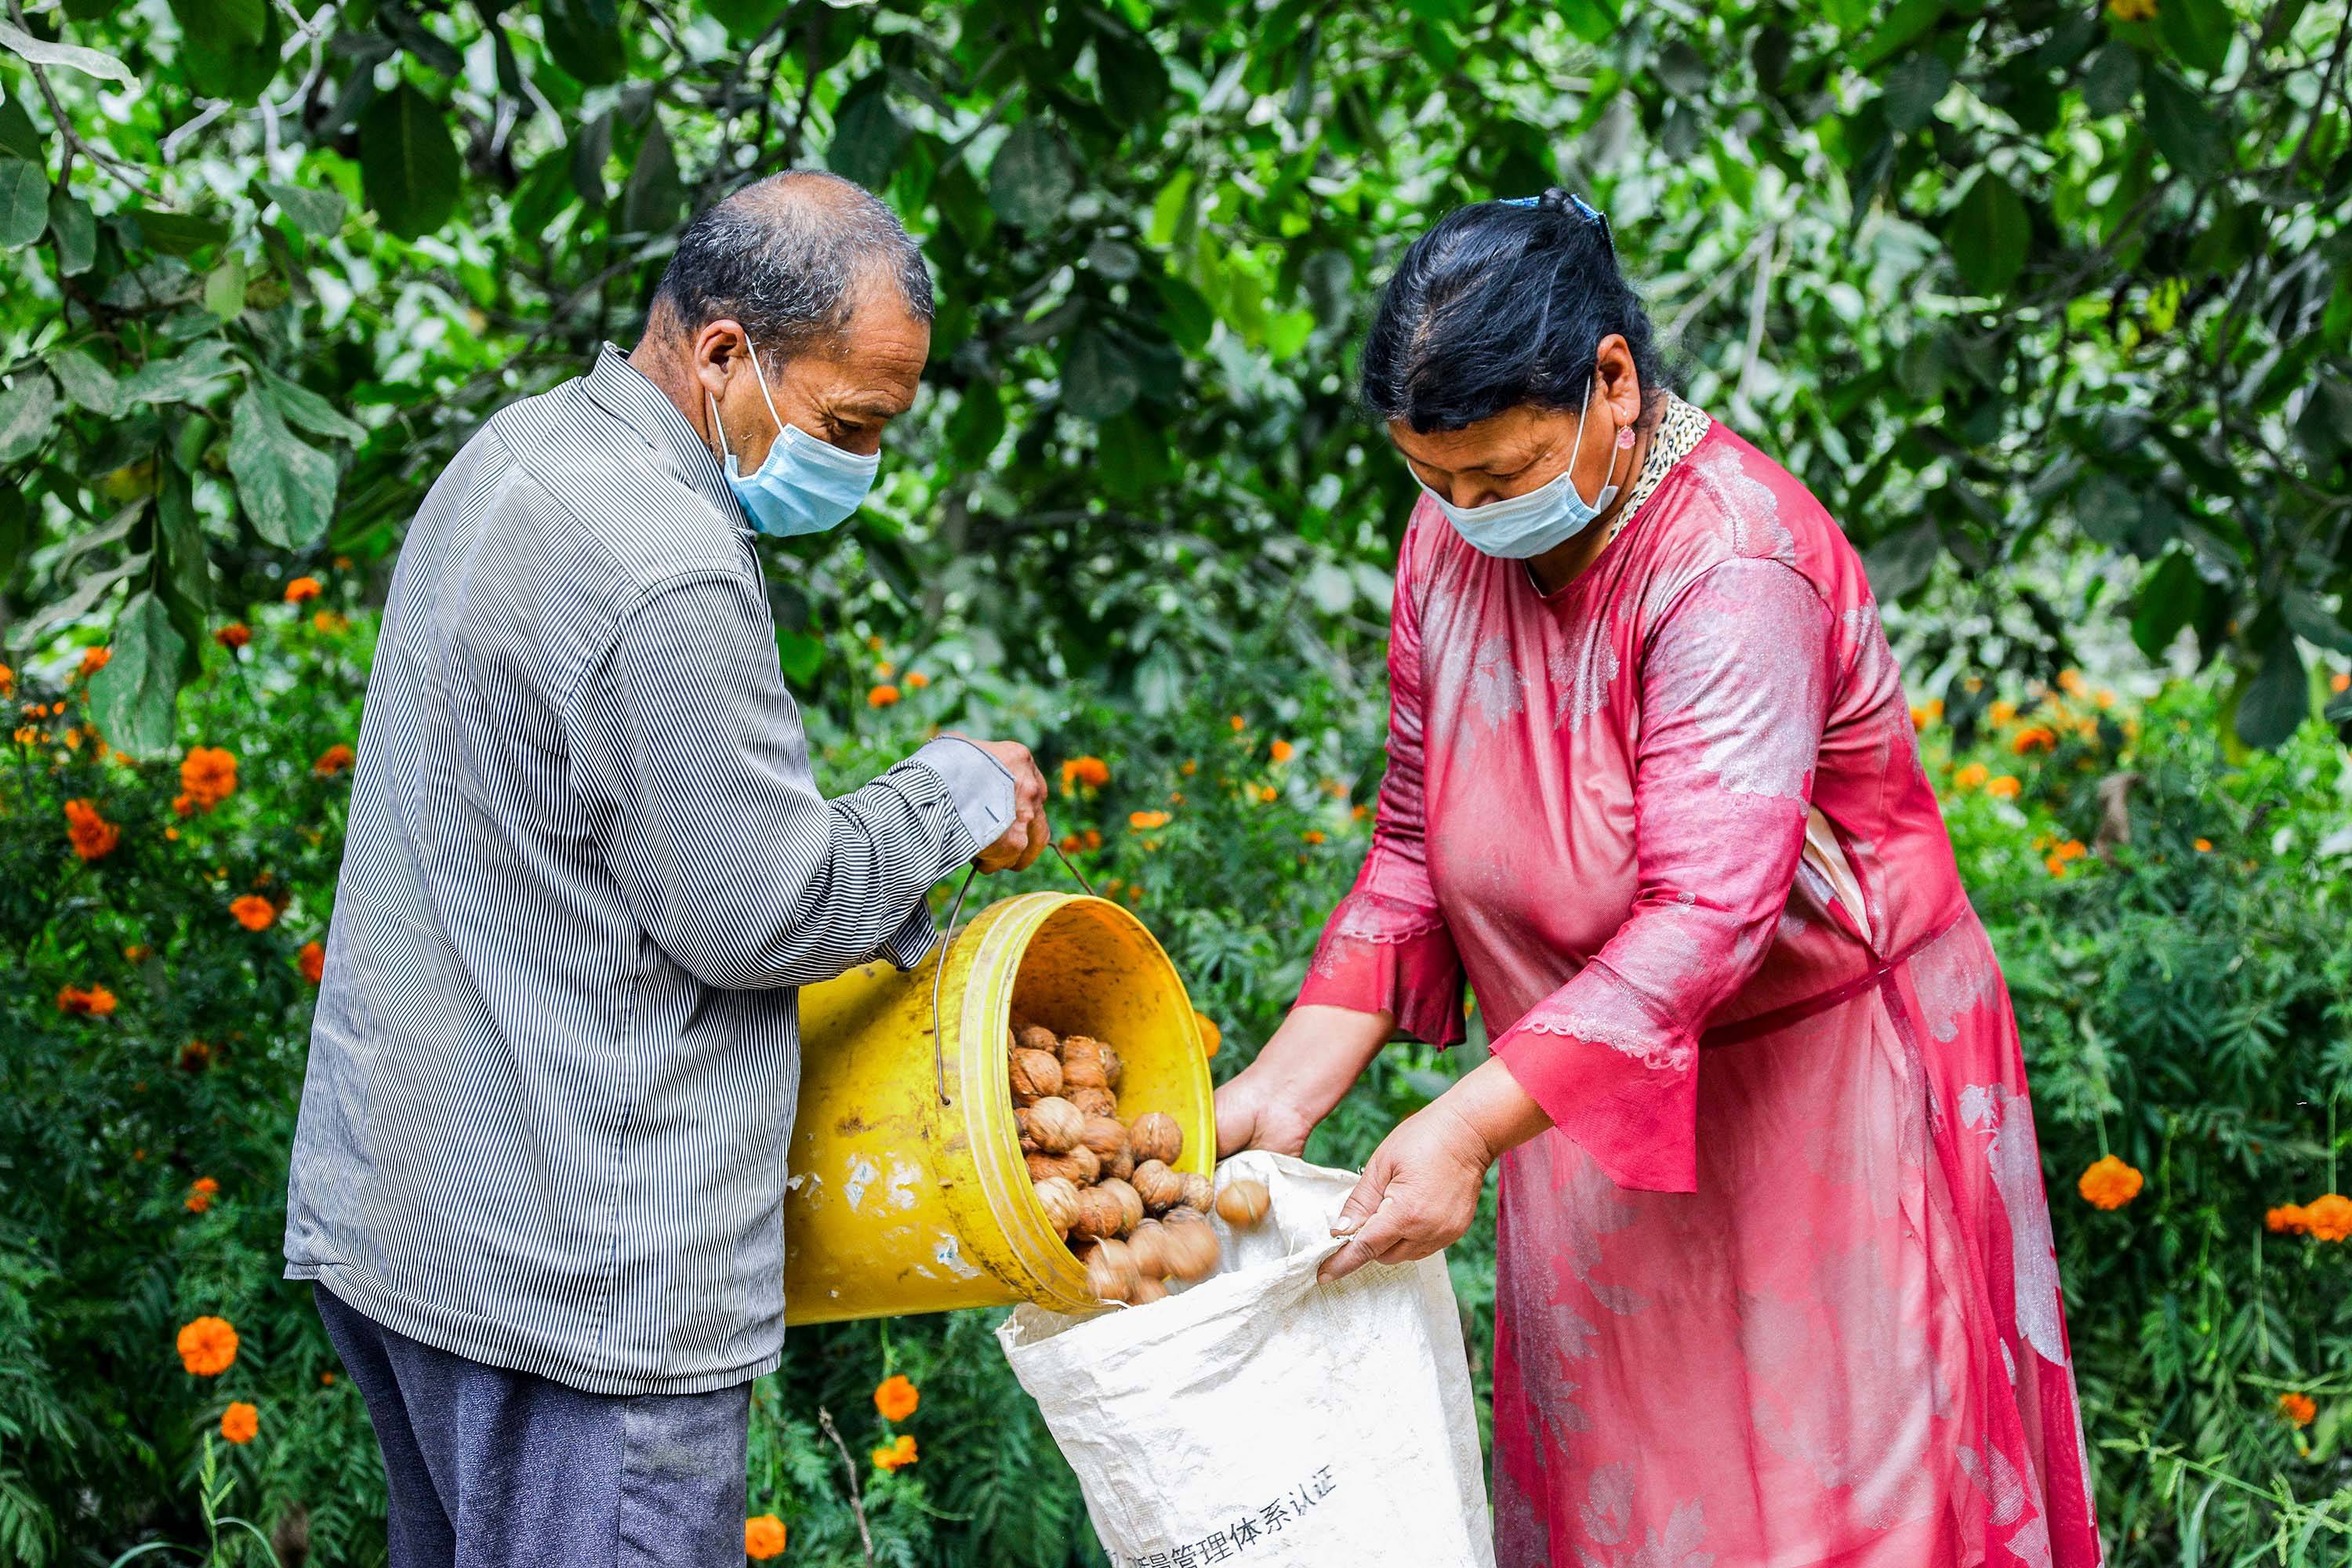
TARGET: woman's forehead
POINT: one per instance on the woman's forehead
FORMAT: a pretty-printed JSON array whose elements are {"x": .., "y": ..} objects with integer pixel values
[{"x": 1503, "y": 442}]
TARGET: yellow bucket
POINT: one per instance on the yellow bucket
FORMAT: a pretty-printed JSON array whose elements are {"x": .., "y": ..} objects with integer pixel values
[{"x": 897, "y": 1202}]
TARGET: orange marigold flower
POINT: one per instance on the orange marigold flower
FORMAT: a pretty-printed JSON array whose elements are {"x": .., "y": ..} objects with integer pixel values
[
  {"x": 208, "y": 1346},
  {"x": 2297, "y": 1409},
  {"x": 882, "y": 696},
  {"x": 1238, "y": 723},
  {"x": 303, "y": 588},
  {"x": 333, "y": 760},
  {"x": 2040, "y": 738},
  {"x": 1189, "y": 768},
  {"x": 234, "y": 636},
  {"x": 1072, "y": 844},
  {"x": 96, "y": 1002},
  {"x": 330, "y": 622},
  {"x": 2329, "y": 1217},
  {"x": 1094, "y": 837},
  {"x": 92, "y": 834},
  {"x": 240, "y": 1422},
  {"x": 2071, "y": 682},
  {"x": 207, "y": 777},
  {"x": 2339, "y": 682},
  {"x": 897, "y": 1456},
  {"x": 2110, "y": 1183},
  {"x": 196, "y": 1056},
  {"x": 2287, "y": 1218},
  {"x": 253, "y": 912},
  {"x": 1925, "y": 714},
  {"x": 1212, "y": 1036},
  {"x": 312, "y": 962},
  {"x": 7, "y": 681},
  {"x": 763, "y": 1537},
  {"x": 94, "y": 659},
  {"x": 2003, "y": 711},
  {"x": 200, "y": 1193},
  {"x": 1145, "y": 821},
  {"x": 1358, "y": 812},
  {"x": 2204, "y": 846},
  {"x": 1313, "y": 836},
  {"x": 137, "y": 952},
  {"x": 895, "y": 1397},
  {"x": 1269, "y": 794},
  {"x": 2002, "y": 788},
  {"x": 1092, "y": 772},
  {"x": 1282, "y": 750},
  {"x": 917, "y": 680}
]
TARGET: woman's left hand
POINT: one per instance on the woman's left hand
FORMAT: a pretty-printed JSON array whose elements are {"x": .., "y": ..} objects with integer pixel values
[{"x": 1418, "y": 1194}]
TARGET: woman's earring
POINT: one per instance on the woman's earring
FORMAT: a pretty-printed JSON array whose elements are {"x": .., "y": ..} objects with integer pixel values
[{"x": 1624, "y": 437}]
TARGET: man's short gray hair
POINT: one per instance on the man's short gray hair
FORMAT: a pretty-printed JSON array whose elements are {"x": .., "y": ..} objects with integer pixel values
[{"x": 789, "y": 256}]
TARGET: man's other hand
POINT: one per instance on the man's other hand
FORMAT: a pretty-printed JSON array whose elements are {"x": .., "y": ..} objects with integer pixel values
[{"x": 1029, "y": 835}]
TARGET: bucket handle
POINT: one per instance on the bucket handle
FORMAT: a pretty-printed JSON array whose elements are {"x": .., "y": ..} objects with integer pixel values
[{"x": 939, "y": 970}]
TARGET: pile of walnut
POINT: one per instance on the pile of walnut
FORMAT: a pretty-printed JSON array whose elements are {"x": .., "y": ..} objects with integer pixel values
[{"x": 1110, "y": 1187}]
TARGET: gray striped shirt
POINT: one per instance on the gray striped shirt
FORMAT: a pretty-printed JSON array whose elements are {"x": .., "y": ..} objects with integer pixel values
[{"x": 556, "y": 1047}]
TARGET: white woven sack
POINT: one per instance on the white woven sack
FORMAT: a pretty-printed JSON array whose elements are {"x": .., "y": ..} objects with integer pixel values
[{"x": 1259, "y": 1419}]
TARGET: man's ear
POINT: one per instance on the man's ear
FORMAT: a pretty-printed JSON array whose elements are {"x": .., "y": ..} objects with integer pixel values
[{"x": 719, "y": 354}]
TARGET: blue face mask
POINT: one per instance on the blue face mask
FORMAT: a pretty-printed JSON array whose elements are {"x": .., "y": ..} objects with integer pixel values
[
  {"x": 1543, "y": 519},
  {"x": 806, "y": 486}
]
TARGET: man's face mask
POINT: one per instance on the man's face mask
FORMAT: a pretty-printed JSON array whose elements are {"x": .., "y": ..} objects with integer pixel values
[{"x": 806, "y": 486}]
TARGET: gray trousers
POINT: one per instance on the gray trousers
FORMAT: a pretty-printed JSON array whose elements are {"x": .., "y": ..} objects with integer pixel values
[{"x": 491, "y": 1468}]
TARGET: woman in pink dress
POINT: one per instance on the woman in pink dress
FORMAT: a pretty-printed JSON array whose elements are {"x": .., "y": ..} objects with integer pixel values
[{"x": 1775, "y": 1284}]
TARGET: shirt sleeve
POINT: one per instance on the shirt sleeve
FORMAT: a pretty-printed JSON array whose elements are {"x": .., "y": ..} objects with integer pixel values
[
  {"x": 690, "y": 756},
  {"x": 1735, "y": 695},
  {"x": 1386, "y": 948}
]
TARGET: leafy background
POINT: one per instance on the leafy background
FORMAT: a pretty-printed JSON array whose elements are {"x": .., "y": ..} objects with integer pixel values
[{"x": 2051, "y": 303}]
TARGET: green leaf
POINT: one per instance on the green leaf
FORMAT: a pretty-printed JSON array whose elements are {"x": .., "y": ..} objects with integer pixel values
[
  {"x": 591, "y": 150},
  {"x": 2184, "y": 128},
  {"x": 225, "y": 289},
  {"x": 2310, "y": 620},
  {"x": 90, "y": 62},
  {"x": 746, "y": 19},
  {"x": 2168, "y": 597},
  {"x": 15, "y": 533},
  {"x": 24, "y": 202},
  {"x": 86, "y": 384},
  {"x": 114, "y": 531},
  {"x": 242, "y": 21},
  {"x": 300, "y": 406},
  {"x": 19, "y": 138},
  {"x": 178, "y": 233},
  {"x": 868, "y": 135},
  {"x": 2111, "y": 79},
  {"x": 183, "y": 568},
  {"x": 545, "y": 192},
  {"x": 28, "y": 632},
  {"x": 2277, "y": 700},
  {"x": 286, "y": 486},
  {"x": 136, "y": 696},
  {"x": 1987, "y": 232},
  {"x": 1914, "y": 86},
  {"x": 651, "y": 199},
  {"x": 1030, "y": 182},
  {"x": 1591, "y": 20},
  {"x": 1099, "y": 381},
  {"x": 588, "y": 48},
  {"x": 1906, "y": 22},
  {"x": 800, "y": 655},
  {"x": 319, "y": 214},
  {"x": 409, "y": 166},
  {"x": 76, "y": 228},
  {"x": 229, "y": 45},
  {"x": 2197, "y": 32},
  {"x": 1169, "y": 209},
  {"x": 28, "y": 411},
  {"x": 190, "y": 378},
  {"x": 1901, "y": 561}
]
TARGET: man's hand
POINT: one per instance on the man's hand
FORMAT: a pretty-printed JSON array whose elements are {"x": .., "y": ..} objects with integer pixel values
[{"x": 1029, "y": 835}]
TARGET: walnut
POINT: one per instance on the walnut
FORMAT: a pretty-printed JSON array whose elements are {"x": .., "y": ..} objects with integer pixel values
[
  {"x": 1058, "y": 1197},
  {"x": 1106, "y": 1135},
  {"x": 1147, "y": 1289},
  {"x": 1131, "y": 1205},
  {"x": 1198, "y": 1194},
  {"x": 1111, "y": 1270},
  {"x": 1161, "y": 1188},
  {"x": 1148, "y": 1242},
  {"x": 1078, "y": 1167},
  {"x": 1052, "y": 1126},
  {"x": 1100, "y": 1214},
  {"x": 1033, "y": 1038},
  {"x": 1188, "y": 1245},
  {"x": 1243, "y": 1202},
  {"x": 1093, "y": 1102},
  {"x": 1082, "y": 1070},
  {"x": 1122, "y": 1164},
  {"x": 1036, "y": 1075},
  {"x": 1155, "y": 1136}
]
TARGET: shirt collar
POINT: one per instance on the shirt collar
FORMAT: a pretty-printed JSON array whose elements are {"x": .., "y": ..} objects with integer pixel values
[{"x": 622, "y": 390}]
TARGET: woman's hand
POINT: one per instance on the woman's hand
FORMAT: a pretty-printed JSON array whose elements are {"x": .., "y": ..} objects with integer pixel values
[
  {"x": 1420, "y": 1191},
  {"x": 1298, "y": 1076},
  {"x": 1418, "y": 1194}
]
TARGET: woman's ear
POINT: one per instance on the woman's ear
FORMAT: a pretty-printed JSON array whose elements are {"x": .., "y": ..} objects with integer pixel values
[{"x": 1621, "y": 383}]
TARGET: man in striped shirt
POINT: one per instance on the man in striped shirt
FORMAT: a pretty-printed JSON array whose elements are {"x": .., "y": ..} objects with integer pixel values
[{"x": 539, "y": 1175}]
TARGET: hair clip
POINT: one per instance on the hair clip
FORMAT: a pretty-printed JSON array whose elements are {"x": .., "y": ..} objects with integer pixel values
[{"x": 1584, "y": 209}]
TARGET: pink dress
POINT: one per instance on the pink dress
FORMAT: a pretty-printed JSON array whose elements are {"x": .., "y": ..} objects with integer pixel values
[{"x": 1779, "y": 1289}]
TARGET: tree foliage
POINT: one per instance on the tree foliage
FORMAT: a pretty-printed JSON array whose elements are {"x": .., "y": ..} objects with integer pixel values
[{"x": 1993, "y": 279}]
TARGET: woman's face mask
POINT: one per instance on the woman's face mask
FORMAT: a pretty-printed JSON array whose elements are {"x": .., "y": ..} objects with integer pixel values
[
  {"x": 1545, "y": 518},
  {"x": 806, "y": 485}
]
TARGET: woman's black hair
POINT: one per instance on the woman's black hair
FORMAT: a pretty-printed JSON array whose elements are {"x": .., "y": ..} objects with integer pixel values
[{"x": 1503, "y": 304}]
